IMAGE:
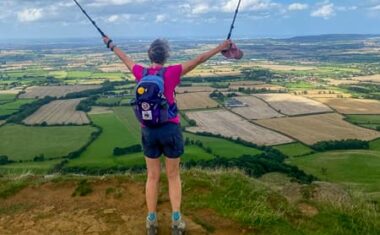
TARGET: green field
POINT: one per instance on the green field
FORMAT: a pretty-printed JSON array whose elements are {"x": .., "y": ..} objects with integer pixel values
[
  {"x": 356, "y": 168},
  {"x": 5, "y": 98},
  {"x": 13, "y": 107},
  {"x": 294, "y": 149},
  {"x": 24, "y": 143},
  {"x": 29, "y": 167},
  {"x": 368, "y": 121},
  {"x": 222, "y": 147},
  {"x": 108, "y": 101}
]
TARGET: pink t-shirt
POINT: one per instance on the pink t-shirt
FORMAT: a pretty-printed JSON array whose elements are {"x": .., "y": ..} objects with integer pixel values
[{"x": 172, "y": 78}]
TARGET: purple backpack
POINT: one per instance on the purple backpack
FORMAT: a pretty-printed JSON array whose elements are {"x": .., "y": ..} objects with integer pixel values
[{"x": 150, "y": 105}]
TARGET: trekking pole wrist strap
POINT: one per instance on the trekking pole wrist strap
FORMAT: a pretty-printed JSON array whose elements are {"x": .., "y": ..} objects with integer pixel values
[{"x": 109, "y": 43}]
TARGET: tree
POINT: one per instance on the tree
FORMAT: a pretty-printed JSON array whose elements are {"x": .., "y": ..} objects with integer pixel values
[{"x": 3, "y": 160}]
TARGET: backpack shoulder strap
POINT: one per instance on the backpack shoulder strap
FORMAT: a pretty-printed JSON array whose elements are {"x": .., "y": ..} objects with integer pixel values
[
  {"x": 145, "y": 72},
  {"x": 161, "y": 72}
]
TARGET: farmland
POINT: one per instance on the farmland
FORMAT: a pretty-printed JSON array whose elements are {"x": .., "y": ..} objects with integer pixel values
[
  {"x": 373, "y": 78},
  {"x": 58, "y": 113},
  {"x": 198, "y": 100},
  {"x": 13, "y": 107},
  {"x": 293, "y": 105},
  {"x": 24, "y": 143},
  {"x": 368, "y": 121},
  {"x": 314, "y": 128},
  {"x": 230, "y": 125},
  {"x": 191, "y": 89},
  {"x": 55, "y": 91},
  {"x": 255, "y": 109},
  {"x": 353, "y": 106}
]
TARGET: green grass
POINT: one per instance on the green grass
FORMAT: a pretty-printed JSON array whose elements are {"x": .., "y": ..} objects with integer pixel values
[
  {"x": 24, "y": 143},
  {"x": 78, "y": 74},
  {"x": 222, "y": 147},
  {"x": 368, "y": 121},
  {"x": 108, "y": 101},
  {"x": 375, "y": 145},
  {"x": 356, "y": 168},
  {"x": 5, "y": 98},
  {"x": 28, "y": 167},
  {"x": 13, "y": 107},
  {"x": 121, "y": 129},
  {"x": 294, "y": 149}
]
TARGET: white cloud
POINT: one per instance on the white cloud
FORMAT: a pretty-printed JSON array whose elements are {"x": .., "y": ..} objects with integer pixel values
[
  {"x": 100, "y": 3},
  {"x": 200, "y": 9},
  {"x": 375, "y": 8},
  {"x": 161, "y": 18},
  {"x": 325, "y": 11},
  {"x": 249, "y": 5},
  {"x": 297, "y": 7},
  {"x": 29, "y": 15},
  {"x": 113, "y": 18}
]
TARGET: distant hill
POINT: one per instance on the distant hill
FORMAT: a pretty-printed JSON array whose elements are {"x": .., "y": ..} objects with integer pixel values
[{"x": 332, "y": 37}]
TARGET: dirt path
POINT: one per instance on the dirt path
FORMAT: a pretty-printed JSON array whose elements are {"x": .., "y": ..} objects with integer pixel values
[{"x": 114, "y": 207}]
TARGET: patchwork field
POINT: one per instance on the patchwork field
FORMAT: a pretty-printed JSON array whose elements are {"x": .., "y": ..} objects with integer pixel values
[
  {"x": 356, "y": 168},
  {"x": 268, "y": 87},
  {"x": 315, "y": 128},
  {"x": 322, "y": 94},
  {"x": 353, "y": 106},
  {"x": 198, "y": 100},
  {"x": 100, "y": 110},
  {"x": 336, "y": 82},
  {"x": 228, "y": 124},
  {"x": 55, "y": 91},
  {"x": 24, "y": 143},
  {"x": 57, "y": 113},
  {"x": 372, "y": 78},
  {"x": 293, "y": 105},
  {"x": 284, "y": 67},
  {"x": 368, "y": 121},
  {"x": 13, "y": 107},
  {"x": 256, "y": 109},
  {"x": 190, "y": 89}
]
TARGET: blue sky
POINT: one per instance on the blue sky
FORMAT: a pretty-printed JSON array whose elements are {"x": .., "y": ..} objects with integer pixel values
[{"x": 187, "y": 18}]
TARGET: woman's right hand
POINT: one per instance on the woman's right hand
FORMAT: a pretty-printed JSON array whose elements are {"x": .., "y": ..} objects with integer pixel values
[
  {"x": 226, "y": 45},
  {"x": 106, "y": 39}
]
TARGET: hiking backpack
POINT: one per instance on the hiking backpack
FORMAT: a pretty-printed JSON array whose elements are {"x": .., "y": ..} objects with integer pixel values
[{"x": 150, "y": 105}]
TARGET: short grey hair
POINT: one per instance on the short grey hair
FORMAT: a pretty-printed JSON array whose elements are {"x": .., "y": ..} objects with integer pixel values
[{"x": 159, "y": 51}]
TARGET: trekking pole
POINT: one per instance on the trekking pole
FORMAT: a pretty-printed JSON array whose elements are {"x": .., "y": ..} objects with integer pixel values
[
  {"x": 233, "y": 21},
  {"x": 92, "y": 21}
]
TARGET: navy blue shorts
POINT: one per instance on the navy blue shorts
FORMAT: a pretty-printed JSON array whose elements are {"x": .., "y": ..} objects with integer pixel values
[{"x": 166, "y": 139}]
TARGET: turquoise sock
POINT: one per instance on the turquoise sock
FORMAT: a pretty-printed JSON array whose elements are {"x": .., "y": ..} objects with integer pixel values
[
  {"x": 176, "y": 215},
  {"x": 152, "y": 216}
]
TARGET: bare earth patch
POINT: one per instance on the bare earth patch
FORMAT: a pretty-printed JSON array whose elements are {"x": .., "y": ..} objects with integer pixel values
[
  {"x": 55, "y": 91},
  {"x": 353, "y": 106},
  {"x": 256, "y": 109},
  {"x": 314, "y": 128},
  {"x": 228, "y": 124},
  {"x": 198, "y": 100},
  {"x": 293, "y": 105},
  {"x": 49, "y": 208},
  {"x": 2, "y": 122},
  {"x": 58, "y": 112},
  {"x": 372, "y": 78}
]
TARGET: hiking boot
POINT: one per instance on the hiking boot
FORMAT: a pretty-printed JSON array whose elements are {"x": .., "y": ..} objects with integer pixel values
[
  {"x": 178, "y": 227},
  {"x": 151, "y": 227}
]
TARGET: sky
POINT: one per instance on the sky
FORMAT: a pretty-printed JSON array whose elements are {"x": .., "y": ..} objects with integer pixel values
[{"x": 44, "y": 19}]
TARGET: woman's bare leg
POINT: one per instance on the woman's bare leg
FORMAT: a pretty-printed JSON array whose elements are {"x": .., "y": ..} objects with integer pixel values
[
  {"x": 152, "y": 183},
  {"x": 174, "y": 180}
]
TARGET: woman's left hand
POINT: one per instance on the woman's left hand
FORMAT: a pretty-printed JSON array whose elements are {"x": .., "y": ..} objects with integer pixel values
[{"x": 106, "y": 39}]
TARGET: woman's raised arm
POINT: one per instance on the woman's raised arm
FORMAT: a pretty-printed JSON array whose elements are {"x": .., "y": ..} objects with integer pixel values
[
  {"x": 192, "y": 64},
  {"x": 120, "y": 53}
]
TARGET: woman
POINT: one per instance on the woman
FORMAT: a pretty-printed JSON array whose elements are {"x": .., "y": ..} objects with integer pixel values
[{"x": 166, "y": 139}]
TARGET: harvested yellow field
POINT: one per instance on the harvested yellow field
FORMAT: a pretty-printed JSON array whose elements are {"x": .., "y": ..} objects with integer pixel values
[
  {"x": 353, "y": 106},
  {"x": 190, "y": 89},
  {"x": 246, "y": 83},
  {"x": 314, "y": 128},
  {"x": 197, "y": 100},
  {"x": 100, "y": 110},
  {"x": 255, "y": 109},
  {"x": 228, "y": 124},
  {"x": 58, "y": 112},
  {"x": 293, "y": 105},
  {"x": 372, "y": 78},
  {"x": 55, "y": 91},
  {"x": 268, "y": 87},
  {"x": 322, "y": 94},
  {"x": 336, "y": 82},
  {"x": 14, "y": 91},
  {"x": 279, "y": 67}
]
